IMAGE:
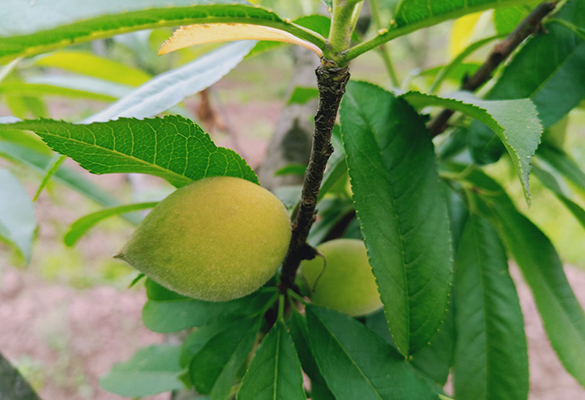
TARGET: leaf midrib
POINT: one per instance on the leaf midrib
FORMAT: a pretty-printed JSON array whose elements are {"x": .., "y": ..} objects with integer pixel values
[{"x": 164, "y": 170}]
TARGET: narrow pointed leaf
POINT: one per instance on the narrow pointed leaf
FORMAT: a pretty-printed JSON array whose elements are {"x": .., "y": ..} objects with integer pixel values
[
  {"x": 551, "y": 183},
  {"x": 95, "y": 66},
  {"x": 300, "y": 335},
  {"x": 172, "y": 87},
  {"x": 491, "y": 360},
  {"x": 514, "y": 121},
  {"x": 17, "y": 214},
  {"x": 84, "y": 224},
  {"x": 561, "y": 313},
  {"x": 275, "y": 371},
  {"x": 427, "y": 12},
  {"x": 401, "y": 211},
  {"x": 213, "y": 369},
  {"x": 358, "y": 364},
  {"x": 564, "y": 164},
  {"x": 413, "y": 15},
  {"x": 27, "y": 30},
  {"x": 211, "y": 33},
  {"x": 173, "y": 148}
]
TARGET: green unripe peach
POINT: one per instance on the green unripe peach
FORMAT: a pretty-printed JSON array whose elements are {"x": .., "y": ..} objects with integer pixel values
[
  {"x": 216, "y": 239},
  {"x": 347, "y": 283}
]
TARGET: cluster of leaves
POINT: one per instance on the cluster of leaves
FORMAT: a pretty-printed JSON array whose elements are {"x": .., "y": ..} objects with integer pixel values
[{"x": 436, "y": 226}]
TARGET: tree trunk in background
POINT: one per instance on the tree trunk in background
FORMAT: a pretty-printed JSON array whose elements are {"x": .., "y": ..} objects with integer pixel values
[
  {"x": 291, "y": 142},
  {"x": 12, "y": 385}
]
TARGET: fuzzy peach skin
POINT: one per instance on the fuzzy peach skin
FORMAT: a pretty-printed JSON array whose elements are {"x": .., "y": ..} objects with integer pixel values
[{"x": 216, "y": 239}]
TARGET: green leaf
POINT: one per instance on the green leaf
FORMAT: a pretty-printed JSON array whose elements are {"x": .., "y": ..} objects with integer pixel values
[
  {"x": 84, "y": 85},
  {"x": 302, "y": 95},
  {"x": 401, "y": 211},
  {"x": 40, "y": 161},
  {"x": 561, "y": 313},
  {"x": 551, "y": 183},
  {"x": 507, "y": 19},
  {"x": 357, "y": 363},
  {"x": 33, "y": 30},
  {"x": 84, "y": 224},
  {"x": 167, "y": 311},
  {"x": 563, "y": 164},
  {"x": 514, "y": 121},
  {"x": 275, "y": 371},
  {"x": 300, "y": 334},
  {"x": 430, "y": 12},
  {"x": 17, "y": 215},
  {"x": 491, "y": 360},
  {"x": 59, "y": 160},
  {"x": 433, "y": 361},
  {"x": 172, "y": 87},
  {"x": 213, "y": 369},
  {"x": 291, "y": 169},
  {"x": 563, "y": 317},
  {"x": 92, "y": 65},
  {"x": 12, "y": 384},
  {"x": 173, "y": 148},
  {"x": 39, "y": 89},
  {"x": 412, "y": 15},
  {"x": 454, "y": 65},
  {"x": 151, "y": 370},
  {"x": 555, "y": 59}
]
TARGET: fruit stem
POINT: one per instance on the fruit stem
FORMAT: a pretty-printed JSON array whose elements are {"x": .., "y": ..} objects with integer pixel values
[{"x": 331, "y": 83}]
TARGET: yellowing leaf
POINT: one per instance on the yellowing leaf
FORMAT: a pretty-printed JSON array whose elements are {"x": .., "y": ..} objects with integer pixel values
[
  {"x": 209, "y": 33},
  {"x": 462, "y": 32}
]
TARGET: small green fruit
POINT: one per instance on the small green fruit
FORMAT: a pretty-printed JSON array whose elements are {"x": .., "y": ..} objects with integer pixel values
[
  {"x": 216, "y": 239},
  {"x": 347, "y": 283}
]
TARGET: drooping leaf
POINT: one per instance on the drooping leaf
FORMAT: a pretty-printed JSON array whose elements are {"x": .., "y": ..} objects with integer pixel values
[
  {"x": 491, "y": 360},
  {"x": 300, "y": 335},
  {"x": 92, "y": 65},
  {"x": 36, "y": 29},
  {"x": 167, "y": 311},
  {"x": 275, "y": 371},
  {"x": 172, "y": 87},
  {"x": 551, "y": 183},
  {"x": 555, "y": 59},
  {"x": 563, "y": 164},
  {"x": 173, "y": 148},
  {"x": 402, "y": 213},
  {"x": 193, "y": 35},
  {"x": 514, "y": 121},
  {"x": 151, "y": 370},
  {"x": 17, "y": 214},
  {"x": 357, "y": 363},
  {"x": 213, "y": 368},
  {"x": 561, "y": 313},
  {"x": 84, "y": 224}
]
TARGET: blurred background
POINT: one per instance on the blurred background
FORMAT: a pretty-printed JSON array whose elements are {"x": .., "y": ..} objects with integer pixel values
[{"x": 69, "y": 315}]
